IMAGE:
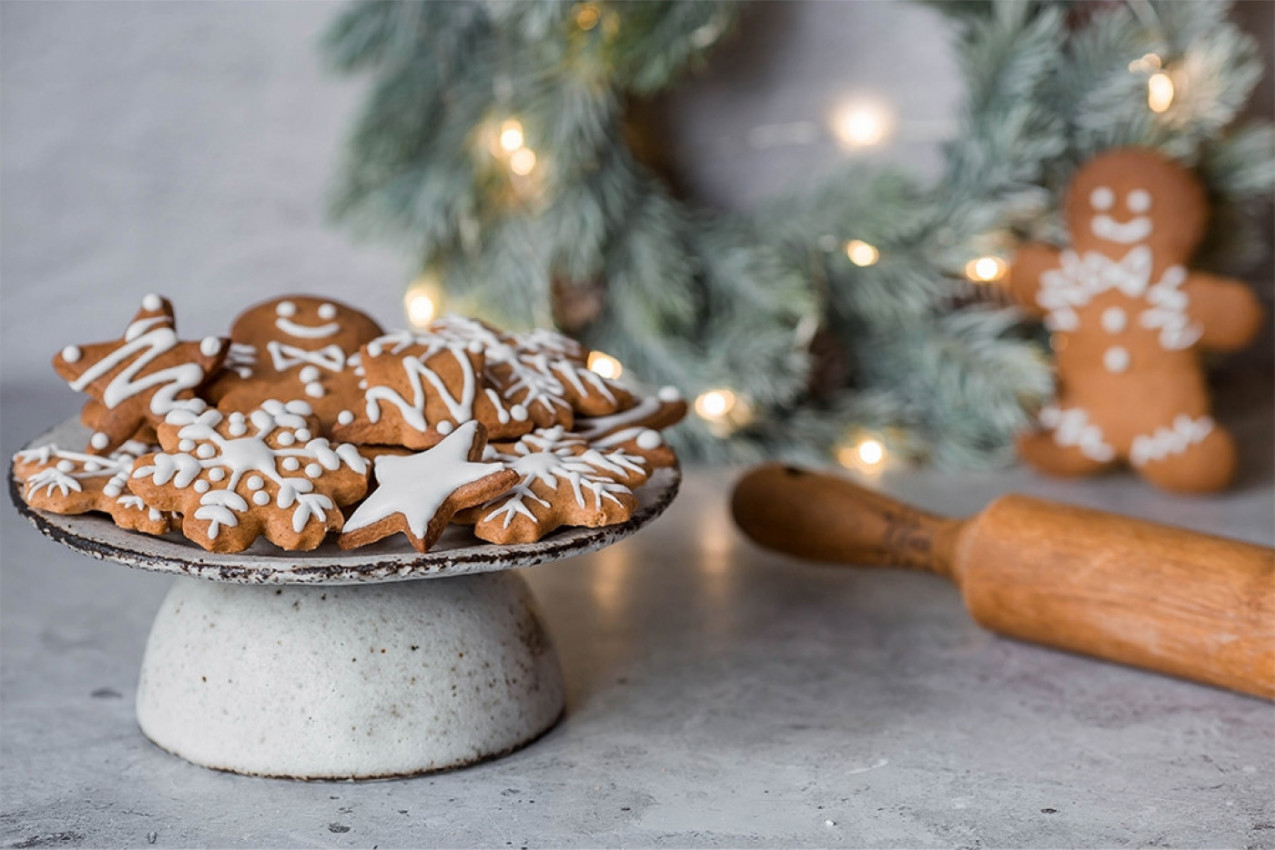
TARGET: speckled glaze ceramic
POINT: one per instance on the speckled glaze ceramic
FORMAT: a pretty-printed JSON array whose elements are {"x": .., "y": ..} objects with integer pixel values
[{"x": 337, "y": 665}]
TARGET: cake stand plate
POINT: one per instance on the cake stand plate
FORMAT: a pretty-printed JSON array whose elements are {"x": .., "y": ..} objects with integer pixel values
[{"x": 343, "y": 665}]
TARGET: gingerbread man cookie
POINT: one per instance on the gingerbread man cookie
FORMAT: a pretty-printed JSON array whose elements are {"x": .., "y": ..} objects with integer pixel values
[
  {"x": 139, "y": 379},
  {"x": 1128, "y": 320},
  {"x": 236, "y": 476},
  {"x": 294, "y": 347},
  {"x": 67, "y": 482}
]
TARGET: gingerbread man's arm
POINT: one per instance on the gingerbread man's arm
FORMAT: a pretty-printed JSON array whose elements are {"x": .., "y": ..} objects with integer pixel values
[
  {"x": 1030, "y": 262},
  {"x": 1225, "y": 309}
]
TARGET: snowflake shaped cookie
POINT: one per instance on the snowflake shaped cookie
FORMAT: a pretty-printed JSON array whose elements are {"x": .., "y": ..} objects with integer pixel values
[
  {"x": 562, "y": 480},
  {"x": 418, "y": 388},
  {"x": 237, "y": 476},
  {"x": 67, "y": 482},
  {"x": 141, "y": 377},
  {"x": 418, "y": 494}
]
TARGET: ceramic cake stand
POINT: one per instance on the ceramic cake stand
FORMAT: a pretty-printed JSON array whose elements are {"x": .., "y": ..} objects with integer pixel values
[{"x": 330, "y": 664}]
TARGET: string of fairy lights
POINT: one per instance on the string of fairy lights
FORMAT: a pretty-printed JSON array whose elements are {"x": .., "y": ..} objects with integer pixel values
[{"x": 861, "y": 123}]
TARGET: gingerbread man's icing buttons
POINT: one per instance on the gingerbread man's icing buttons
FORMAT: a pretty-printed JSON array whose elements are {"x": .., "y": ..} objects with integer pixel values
[
  {"x": 138, "y": 379},
  {"x": 1114, "y": 320}
]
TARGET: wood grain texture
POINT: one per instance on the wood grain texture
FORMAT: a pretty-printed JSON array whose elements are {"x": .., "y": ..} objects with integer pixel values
[{"x": 1126, "y": 590}]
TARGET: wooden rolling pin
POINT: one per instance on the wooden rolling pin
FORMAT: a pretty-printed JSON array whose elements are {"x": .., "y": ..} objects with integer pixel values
[{"x": 1122, "y": 589}]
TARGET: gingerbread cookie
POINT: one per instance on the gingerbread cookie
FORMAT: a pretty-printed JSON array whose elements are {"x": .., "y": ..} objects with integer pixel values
[
  {"x": 67, "y": 482},
  {"x": 561, "y": 481},
  {"x": 1129, "y": 319},
  {"x": 663, "y": 410},
  {"x": 418, "y": 494},
  {"x": 236, "y": 476},
  {"x": 294, "y": 347},
  {"x": 139, "y": 379},
  {"x": 419, "y": 388}
]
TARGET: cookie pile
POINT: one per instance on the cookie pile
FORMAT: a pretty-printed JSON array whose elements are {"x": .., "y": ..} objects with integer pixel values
[{"x": 309, "y": 419}]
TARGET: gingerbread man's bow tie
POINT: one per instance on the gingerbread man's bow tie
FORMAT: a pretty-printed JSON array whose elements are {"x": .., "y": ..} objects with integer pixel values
[{"x": 330, "y": 357}]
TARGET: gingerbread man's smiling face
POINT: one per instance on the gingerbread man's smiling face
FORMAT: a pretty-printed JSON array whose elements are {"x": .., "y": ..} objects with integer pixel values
[
  {"x": 304, "y": 322},
  {"x": 1131, "y": 197}
]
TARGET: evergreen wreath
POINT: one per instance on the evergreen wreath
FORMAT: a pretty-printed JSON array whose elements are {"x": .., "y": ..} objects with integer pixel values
[{"x": 492, "y": 150}]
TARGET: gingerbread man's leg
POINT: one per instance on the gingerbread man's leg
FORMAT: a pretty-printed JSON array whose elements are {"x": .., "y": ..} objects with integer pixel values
[
  {"x": 1189, "y": 455},
  {"x": 1072, "y": 445}
]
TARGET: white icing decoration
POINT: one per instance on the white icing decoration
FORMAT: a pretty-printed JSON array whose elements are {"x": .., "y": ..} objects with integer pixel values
[
  {"x": 241, "y": 358},
  {"x": 327, "y": 311},
  {"x": 1168, "y": 311},
  {"x": 460, "y": 408},
  {"x": 594, "y": 428},
  {"x": 1072, "y": 428},
  {"x": 291, "y": 328},
  {"x": 313, "y": 470},
  {"x": 291, "y": 464},
  {"x": 202, "y": 486},
  {"x": 417, "y": 485},
  {"x": 315, "y": 390},
  {"x": 303, "y": 435},
  {"x": 72, "y": 353},
  {"x": 99, "y": 440},
  {"x": 147, "y": 339},
  {"x": 261, "y": 497},
  {"x": 1114, "y": 320},
  {"x": 1101, "y": 198},
  {"x": 186, "y": 446},
  {"x": 345, "y": 417},
  {"x": 1116, "y": 359},
  {"x": 309, "y": 373},
  {"x": 285, "y": 309},
  {"x": 67, "y": 469},
  {"x": 253, "y": 457},
  {"x": 152, "y": 302},
  {"x": 669, "y": 394},
  {"x": 210, "y": 346},
  {"x": 1130, "y": 232},
  {"x": 444, "y": 427},
  {"x": 1165, "y": 441},
  {"x": 205, "y": 451},
  {"x": 285, "y": 439},
  {"x": 1138, "y": 200}
]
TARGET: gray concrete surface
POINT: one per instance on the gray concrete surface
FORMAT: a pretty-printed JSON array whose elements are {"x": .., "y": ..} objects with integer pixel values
[{"x": 717, "y": 696}]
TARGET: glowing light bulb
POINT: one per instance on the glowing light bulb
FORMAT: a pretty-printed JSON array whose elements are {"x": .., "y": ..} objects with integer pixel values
[
  {"x": 871, "y": 452},
  {"x": 865, "y": 455},
  {"x": 715, "y": 404},
  {"x": 522, "y": 162},
  {"x": 511, "y": 137},
  {"x": 605, "y": 365},
  {"x": 986, "y": 269},
  {"x": 861, "y": 253},
  {"x": 862, "y": 123},
  {"x": 587, "y": 16},
  {"x": 1160, "y": 92},
  {"x": 421, "y": 301}
]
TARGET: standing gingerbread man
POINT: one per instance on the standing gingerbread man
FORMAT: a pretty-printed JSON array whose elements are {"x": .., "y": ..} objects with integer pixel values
[{"x": 1128, "y": 319}]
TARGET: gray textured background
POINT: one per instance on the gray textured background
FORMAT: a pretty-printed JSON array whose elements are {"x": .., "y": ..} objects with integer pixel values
[{"x": 184, "y": 148}]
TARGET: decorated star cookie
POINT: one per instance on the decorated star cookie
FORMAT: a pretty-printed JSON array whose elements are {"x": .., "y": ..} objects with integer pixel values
[
  {"x": 67, "y": 482},
  {"x": 140, "y": 378},
  {"x": 418, "y": 494},
  {"x": 561, "y": 481},
  {"x": 1128, "y": 320},
  {"x": 419, "y": 388},
  {"x": 236, "y": 476},
  {"x": 294, "y": 347}
]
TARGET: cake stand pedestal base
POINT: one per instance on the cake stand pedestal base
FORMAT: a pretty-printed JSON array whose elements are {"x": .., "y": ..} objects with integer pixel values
[{"x": 348, "y": 681}]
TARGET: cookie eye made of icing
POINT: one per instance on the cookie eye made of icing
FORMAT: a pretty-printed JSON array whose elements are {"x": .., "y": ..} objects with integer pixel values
[
  {"x": 286, "y": 309},
  {"x": 327, "y": 311},
  {"x": 1139, "y": 200},
  {"x": 1102, "y": 198}
]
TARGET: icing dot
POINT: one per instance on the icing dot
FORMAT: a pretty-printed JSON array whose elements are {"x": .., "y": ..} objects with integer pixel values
[
  {"x": 291, "y": 464},
  {"x": 112, "y": 490},
  {"x": 99, "y": 440},
  {"x": 1115, "y": 359},
  {"x": 186, "y": 446},
  {"x": 1114, "y": 320},
  {"x": 216, "y": 473},
  {"x": 309, "y": 373},
  {"x": 209, "y": 346},
  {"x": 1139, "y": 200},
  {"x": 261, "y": 497},
  {"x": 237, "y": 429},
  {"x": 152, "y": 302},
  {"x": 1102, "y": 198},
  {"x": 202, "y": 486},
  {"x": 286, "y": 438},
  {"x": 313, "y": 470},
  {"x": 255, "y": 482},
  {"x": 237, "y": 416},
  {"x": 303, "y": 434},
  {"x": 71, "y": 353},
  {"x": 65, "y": 466},
  {"x": 518, "y": 412},
  {"x": 205, "y": 451},
  {"x": 285, "y": 309},
  {"x": 444, "y": 428},
  {"x": 299, "y": 407},
  {"x": 374, "y": 349},
  {"x": 649, "y": 440},
  {"x": 327, "y": 311},
  {"x": 345, "y": 417},
  {"x": 314, "y": 390}
]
